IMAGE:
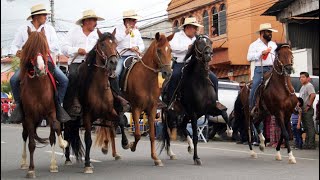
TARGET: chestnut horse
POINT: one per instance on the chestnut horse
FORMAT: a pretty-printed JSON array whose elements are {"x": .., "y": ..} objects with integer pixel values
[
  {"x": 95, "y": 97},
  {"x": 143, "y": 90},
  {"x": 37, "y": 98},
  {"x": 277, "y": 98}
]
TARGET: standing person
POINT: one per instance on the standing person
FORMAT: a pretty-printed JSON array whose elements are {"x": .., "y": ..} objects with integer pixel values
[
  {"x": 5, "y": 109},
  {"x": 262, "y": 52},
  {"x": 180, "y": 44},
  {"x": 38, "y": 19},
  {"x": 296, "y": 123},
  {"x": 307, "y": 93}
]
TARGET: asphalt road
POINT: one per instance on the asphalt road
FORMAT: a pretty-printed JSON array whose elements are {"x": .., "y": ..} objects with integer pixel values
[{"x": 220, "y": 160}]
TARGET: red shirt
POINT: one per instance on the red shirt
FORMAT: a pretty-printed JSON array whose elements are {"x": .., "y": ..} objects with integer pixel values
[{"x": 5, "y": 107}]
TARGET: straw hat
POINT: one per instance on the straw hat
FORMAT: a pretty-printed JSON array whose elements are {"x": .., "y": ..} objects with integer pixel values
[
  {"x": 130, "y": 14},
  {"x": 38, "y": 9},
  {"x": 266, "y": 26},
  {"x": 191, "y": 21},
  {"x": 89, "y": 14}
]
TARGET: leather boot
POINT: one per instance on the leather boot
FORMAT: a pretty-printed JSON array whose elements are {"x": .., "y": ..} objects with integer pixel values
[
  {"x": 17, "y": 114},
  {"x": 124, "y": 103},
  {"x": 76, "y": 107},
  {"x": 220, "y": 106},
  {"x": 62, "y": 115}
]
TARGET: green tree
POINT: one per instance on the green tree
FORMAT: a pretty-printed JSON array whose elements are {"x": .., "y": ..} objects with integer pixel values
[{"x": 5, "y": 87}]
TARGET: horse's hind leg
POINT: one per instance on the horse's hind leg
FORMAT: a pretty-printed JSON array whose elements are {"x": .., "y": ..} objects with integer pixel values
[
  {"x": 32, "y": 147},
  {"x": 113, "y": 144},
  {"x": 55, "y": 124},
  {"x": 88, "y": 141},
  {"x": 196, "y": 159},
  {"x": 67, "y": 138},
  {"x": 53, "y": 163},
  {"x": 24, "y": 164}
]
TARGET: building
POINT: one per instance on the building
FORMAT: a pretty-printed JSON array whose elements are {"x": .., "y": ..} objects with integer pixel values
[
  {"x": 301, "y": 21},
  {"x": 231, "y": 25}
]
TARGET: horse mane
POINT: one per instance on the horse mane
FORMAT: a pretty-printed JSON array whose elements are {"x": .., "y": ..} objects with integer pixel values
[
  {"x": 280, "y": 45},
  {"x": 36, "y": 43}
]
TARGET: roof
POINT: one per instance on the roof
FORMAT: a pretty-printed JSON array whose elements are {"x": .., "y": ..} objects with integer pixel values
[
  {"x": 176, "y": 3},
  {"x": 277, "y": 7}
]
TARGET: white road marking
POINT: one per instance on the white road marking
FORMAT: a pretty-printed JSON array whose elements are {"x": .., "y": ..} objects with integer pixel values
[
  {"x": 62, "y": 154},
  {"x": 2, "y": 142}
]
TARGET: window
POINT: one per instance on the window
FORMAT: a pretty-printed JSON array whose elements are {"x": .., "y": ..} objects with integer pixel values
[
  {"x": 215, "y": 27},
  {"x": 206, "y": 22},
  {"x": 176, "y": 26},
  {"x": 222, "y": 19}
]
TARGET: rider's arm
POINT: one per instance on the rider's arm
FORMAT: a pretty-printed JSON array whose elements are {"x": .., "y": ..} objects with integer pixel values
[
  {"x": 177, "y": 46},
  {"x": 17, "y": 42},
  {"x": 67, "y": 46},
  {"x": 140, "y": 42},
  {"x": 254, "y": 53},
  {"x": 120, "y": 35},
  {"x": 54, "y": 43}
]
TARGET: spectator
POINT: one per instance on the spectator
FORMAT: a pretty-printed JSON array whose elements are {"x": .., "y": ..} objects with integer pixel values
[
  {"x": 275, "y": 131},
  {"x": 5, "y": 108},
  {"x": 296, "y": 124}
]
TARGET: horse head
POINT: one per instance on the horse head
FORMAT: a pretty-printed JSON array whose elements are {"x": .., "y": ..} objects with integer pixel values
[
  {"x": 106, "y": 50},
  {"x": 35, "y": 52},
  {"x": 201, "y": 48},
  {"x": 163, "y": 54},
  {"x": 284, "y": 59}
]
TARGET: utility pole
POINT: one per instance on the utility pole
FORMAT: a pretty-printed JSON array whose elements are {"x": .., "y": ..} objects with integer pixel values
[{"x": 52, "y": 12}]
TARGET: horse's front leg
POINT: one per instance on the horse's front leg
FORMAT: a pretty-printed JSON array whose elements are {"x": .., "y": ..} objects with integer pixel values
[
  {"x": 196, "y": 159},
  {"x": 88, "y": 141},
  {"x": 24, "y": 164},
  {"x": 124, "y": 139},
  {"x": 53, "y": 163},
  {"x": 135, "y": 116},
  {"x": 151, "y": 117},
  {"x": 32, "y": 147}
]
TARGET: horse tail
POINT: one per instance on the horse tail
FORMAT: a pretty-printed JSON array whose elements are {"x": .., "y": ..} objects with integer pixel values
[
  {"x": 102, "y": 136},
  {"x": 71, "y": 134},
  {"x": 165, "y": 134},
  {"x": 41, "y": 140}
]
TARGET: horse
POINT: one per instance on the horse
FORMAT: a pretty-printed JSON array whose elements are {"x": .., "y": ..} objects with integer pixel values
[
  {"x": 197, "y": 96},
  {"x": 142, "y": 89},
  {"x": 96, "y": 97},
  {"x": 37, "y": 98},
  {"x": 275, "y": 96}
]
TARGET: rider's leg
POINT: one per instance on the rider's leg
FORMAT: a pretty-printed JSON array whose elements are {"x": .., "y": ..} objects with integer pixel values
[
  {"x": 174, "y": 80},
  {"x": 119, "y": 67},
  {"x": 215, "y": 80},
  {"x": 116, "y": 94},
  {"x": 16, "y": 115},
  {"x": 255, "y": 83},
  {"x": 73, "y": 86}
]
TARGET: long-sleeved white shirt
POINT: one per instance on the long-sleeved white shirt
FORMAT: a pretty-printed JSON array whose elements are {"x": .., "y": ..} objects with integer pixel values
[
  {"x": 76, "y": 39},
  {"x": 255, "y": 52},
  {"x": 180, "y": 44},
  {"x": 21, "y": 38},
  {"x": 126, "y": 41}
]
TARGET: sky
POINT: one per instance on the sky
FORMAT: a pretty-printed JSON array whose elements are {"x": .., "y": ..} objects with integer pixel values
[{"x": 15, "y": 12}]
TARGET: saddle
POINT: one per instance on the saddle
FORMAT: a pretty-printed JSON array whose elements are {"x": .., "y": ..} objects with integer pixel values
[{"x": 128, "y": 64}]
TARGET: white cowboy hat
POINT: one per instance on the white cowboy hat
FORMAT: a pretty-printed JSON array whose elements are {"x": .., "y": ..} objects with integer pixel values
[
  {"x": 89, "y": 14},
  {"x": 191, "y": 21},
  {"x": 130, "y": 14},
  {"x": 38, "y": 9},
  {"x": 266, "y": 26}
]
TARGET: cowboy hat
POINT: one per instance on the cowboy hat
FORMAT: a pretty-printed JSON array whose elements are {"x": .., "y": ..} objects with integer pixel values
[
  {"x": 38, "y": 9},
  {"x": 191, "y": 21},
  {"x": 89, "y": 14},
  {"x": 130, "y": 14},
  {"x": 266, "y": 26}
]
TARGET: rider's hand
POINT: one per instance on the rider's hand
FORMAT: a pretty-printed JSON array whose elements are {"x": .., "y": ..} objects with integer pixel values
[
  {"x": 266, "y": 51},
  {"x": 189, "y": 47},
  {"x": 128, "y": 29},
  {"x": 18, "y": 54},
  {"x": 82, "y": 51},
  {"x": 136, "y": 48}
]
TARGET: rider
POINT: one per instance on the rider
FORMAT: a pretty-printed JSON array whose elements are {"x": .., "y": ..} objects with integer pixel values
[
  {"x": 259, "y": 53},
  {"x": 79, "y": 41},
  {"x": 38, "y": 19},
  {"x": 180, "y": 44}
]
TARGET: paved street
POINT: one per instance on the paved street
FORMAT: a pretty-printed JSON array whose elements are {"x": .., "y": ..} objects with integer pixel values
[{"x": 221, "y": 160}]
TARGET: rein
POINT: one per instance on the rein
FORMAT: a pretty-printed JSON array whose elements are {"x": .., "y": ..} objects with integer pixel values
[{"x": 104, "y": 57}]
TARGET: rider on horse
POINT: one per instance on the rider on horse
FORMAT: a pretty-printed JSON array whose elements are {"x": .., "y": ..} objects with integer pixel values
[
  {"x": 180, "y": 44},
  {"x": 38, "y": 19},
  {"x": 262, "y": 52}
]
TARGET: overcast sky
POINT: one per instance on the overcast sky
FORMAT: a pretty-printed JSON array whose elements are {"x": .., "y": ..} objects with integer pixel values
[{"x": 15, "y": 12}]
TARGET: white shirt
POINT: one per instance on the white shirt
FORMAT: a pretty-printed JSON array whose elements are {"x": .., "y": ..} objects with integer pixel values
[
  {"x": 180, "y": 44},
  {"x": 126, "y": 41},
  {"x": 76, "y": 39},
  {"x": 255, "y": 52},
  {"x": 21, "y": 38}
]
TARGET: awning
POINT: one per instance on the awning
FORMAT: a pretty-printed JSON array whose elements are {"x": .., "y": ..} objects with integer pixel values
[{"x": 277, "y": 7}]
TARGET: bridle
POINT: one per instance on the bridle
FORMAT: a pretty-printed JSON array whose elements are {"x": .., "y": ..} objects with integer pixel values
[
  {"x": 36, "y": 71},
  {"x": 103, "y": 56},
  {"x": 200, "y": 54}
]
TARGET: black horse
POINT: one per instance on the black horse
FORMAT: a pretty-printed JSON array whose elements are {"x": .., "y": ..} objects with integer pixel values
[{"x": 196, "y": 96}]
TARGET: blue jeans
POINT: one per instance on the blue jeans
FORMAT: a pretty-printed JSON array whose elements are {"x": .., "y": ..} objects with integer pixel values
[
  {"x": 119, "y": 67},
  {"x": 58, "y": 74},
  {"x": 297, "y": 136},
  {"x": 257, "y": 79}
]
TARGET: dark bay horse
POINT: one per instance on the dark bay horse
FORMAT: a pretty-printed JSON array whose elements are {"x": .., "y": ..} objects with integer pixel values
[
  {"x": 197, "y": 95},
  {"x": 37, "y": 98},
  {"x": 143, "y": 90},
  {"x": 95, "y": 96},
  {"x": 276, "y": 98}
]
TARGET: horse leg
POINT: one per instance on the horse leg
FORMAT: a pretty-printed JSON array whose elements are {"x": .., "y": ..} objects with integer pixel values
[
  {"x": 56, "y": 127},
  {"x": 32, "y": 147},
  {"x": 229, "y": 130},
  {"x": 67, "y": 138},
  {"x": 135, "y": 115},
  {"x": 124, "y": 139},
  {"x": 196, "y": 159},
  {"x": 113, "y": 144},
  {"x": 88, "y": 141},
  {"x": 53, "y": 163},
  {"x": 24, "y": 164},
  {"x": 279, "y": 122},
  {"x": 248, "y": 130},
  {"x": 292, "y": 159},
  {"x": 151, "y": 117}
]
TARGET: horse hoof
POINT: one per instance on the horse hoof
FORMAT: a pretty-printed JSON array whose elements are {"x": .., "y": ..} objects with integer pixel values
[
  {"x": 261, "y": 147},
  {"x": 88, "y": 170},
  {"x": 104, "y": 150},
  {"x": 126, "y": 146},
  {"x": 173, "y": 157},
  {"x": 158, "y": 163},
  {"x": 63, "y": 144},
  {"x": 31, "y": 174},
  {"x": 254, "y": 155},
  {"x": 190, "y": 150},
  {"x": 292, "y": 160},
  {"x": 24, "y": 166},
  {"x": 197, "y": 162},
  {"x": 68, "y": 163},
  {"x": 54, "y": 169},
  {"x": 117, "y": 157},
  {"x": 278, "y": 156}
]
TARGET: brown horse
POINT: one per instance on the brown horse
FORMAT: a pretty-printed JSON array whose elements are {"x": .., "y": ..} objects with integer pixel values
[
  {"x": 277, "y": 97},
  {"x": 96, "y": 96},
  {"x": 37, "y": 98},
  {"x": 143, "y": 90}
]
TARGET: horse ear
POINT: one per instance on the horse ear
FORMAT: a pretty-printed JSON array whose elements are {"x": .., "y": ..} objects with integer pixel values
[
  {"x": 157, "y": 36},
  {"x": 42, "y": 31},
  {"x": 29, "y": 31},
  {"x": 114, "y": 32},
  {"x": 169, "y": 38},
  {"x": 99, "y": 33}
]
